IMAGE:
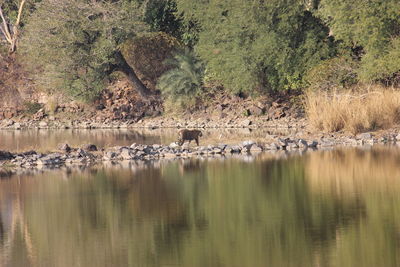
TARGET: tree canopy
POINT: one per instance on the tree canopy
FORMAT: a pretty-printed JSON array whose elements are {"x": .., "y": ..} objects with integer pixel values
[
  {"x": 76, "y": 43},
  {"x": 371, "y": 25},
  {"x": 258, "y": 45},
  {"x": 255, "y": 47}
]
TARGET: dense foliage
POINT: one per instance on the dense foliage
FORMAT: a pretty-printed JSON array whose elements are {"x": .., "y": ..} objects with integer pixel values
[
  {"x": 76, "y": 43},
  {"x": 264, "y": 45},
  {"x": 255, "y": 47},
  {"x": 184, "y": 78},
  {"x": 372, "y": 26}
]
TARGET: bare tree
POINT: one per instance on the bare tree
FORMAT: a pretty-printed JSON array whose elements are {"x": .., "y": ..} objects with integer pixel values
[{"x": 9, "y": 30}]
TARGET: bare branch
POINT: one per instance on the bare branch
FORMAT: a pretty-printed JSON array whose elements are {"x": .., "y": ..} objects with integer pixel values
[
  {"x": 5, "y": 26},
  {"x": 12, "y": 38},
  {"x": 4, "y": 33},
  {"x": 20, "y": 12}
]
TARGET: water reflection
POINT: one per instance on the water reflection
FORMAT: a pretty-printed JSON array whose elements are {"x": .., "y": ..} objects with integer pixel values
[
  {"x": 329, "y": 208},
  {"x": 44, "y": 140}
]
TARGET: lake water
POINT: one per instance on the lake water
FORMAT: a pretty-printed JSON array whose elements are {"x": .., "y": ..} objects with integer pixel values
[
  {"x": 47, "y": 140},
  {"x": 323, "y": 208}
]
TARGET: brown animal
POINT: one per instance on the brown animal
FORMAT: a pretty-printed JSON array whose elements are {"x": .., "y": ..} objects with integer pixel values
[{"x": 188, "y": 135}]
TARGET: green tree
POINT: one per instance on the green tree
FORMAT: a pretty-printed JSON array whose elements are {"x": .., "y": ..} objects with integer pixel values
[
  {"x": 258, "y": 45},
  {"x": 185, "y": 77},
  {"x": 12, "y": 16},
  {"x": 75, "y": 44},
  {"x": 163, "y": 16},
  {"x": 372, "y": 26},
  {"x": 160, "y": 16}
]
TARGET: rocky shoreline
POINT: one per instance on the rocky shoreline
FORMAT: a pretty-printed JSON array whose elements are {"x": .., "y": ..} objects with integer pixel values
[
  {"x": 158, "y": 122},
  {"x": 89, "y": 154}
]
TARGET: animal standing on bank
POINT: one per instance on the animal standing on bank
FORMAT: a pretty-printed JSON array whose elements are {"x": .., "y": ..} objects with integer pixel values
[{"x": 189, "y": 135}]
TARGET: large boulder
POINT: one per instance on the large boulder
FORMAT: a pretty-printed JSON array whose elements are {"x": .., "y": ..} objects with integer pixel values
[{"x": 5, "y": 155}]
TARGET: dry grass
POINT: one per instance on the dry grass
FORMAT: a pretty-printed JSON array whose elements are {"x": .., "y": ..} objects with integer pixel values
[{"x": 354, "y": 111}]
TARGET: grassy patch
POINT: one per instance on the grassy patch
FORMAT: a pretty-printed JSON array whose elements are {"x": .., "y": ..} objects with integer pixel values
[{"x": 354, "y": 111}]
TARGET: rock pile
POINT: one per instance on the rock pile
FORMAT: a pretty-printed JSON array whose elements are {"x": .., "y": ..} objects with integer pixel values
[{"x": 90, "y": 154}]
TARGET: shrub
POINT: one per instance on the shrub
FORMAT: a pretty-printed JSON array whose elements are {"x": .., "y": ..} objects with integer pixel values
[
  {"x": 333, "y": 73},
  {"x": 185, "y": 77}
]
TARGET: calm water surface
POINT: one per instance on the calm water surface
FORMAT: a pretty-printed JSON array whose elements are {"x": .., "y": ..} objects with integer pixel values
[
  {"x": 328, "y": 208},
  {"x": 48, "y": 140}
]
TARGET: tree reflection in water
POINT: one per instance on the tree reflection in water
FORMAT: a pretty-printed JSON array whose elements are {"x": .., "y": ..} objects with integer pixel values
[{"x": 301, "y": 211}]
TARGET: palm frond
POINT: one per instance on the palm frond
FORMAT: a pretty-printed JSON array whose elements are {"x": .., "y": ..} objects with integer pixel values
[{"x": 185, "y": 78}]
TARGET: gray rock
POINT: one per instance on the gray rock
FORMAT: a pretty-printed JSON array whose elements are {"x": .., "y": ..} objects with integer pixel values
[
  {"x": 274, "y": 146},
  {"x": 283, "y": 143},
  {"x": 110, "y": 155},
  {"x": 383, "y": 139},
  {"x": 5, "y": 155},
  {"x": 371, "y": 141},
  {"x": 313, "y": 144},
  {"x": 248, "y": 142},
  {"x": 302, "y": 143},
  {"x": 292, "y": 145},
  {"x": 54, "y": 156},
  {"x": 173, "y": 145},
  {"x": 64, "y": 147},
  {"x": 256, "y": 148},
  {"x": 17, "y": 126},
  {"x": 89, "y": 147},
  {"x": 43, "y": 124},
  {"x": 139, "y": 154},
  {"x": 254, "y": 110},
  {"x": 85, "y": 125},
  {"x": 236, "y": 149},
  {"x": 8, "y": 123},
  {"x": 126, "y": 154},
  {"x": 364, "y": 136},
  {"x": 44, "y": 161},
  {"x": 222, "y": 146},
  {"x": 148, "y": 149},
  {"x": 217, "y": 150},
  {"x": 156, "y": 147},
  {"x": 246, "y": 123}
]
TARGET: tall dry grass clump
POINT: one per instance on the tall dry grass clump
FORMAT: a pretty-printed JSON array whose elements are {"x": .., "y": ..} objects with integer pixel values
[{"x": 355, "y": 111}]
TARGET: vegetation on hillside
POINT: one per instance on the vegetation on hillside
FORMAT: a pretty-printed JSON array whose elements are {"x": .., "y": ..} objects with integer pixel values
[
  {"x": 184, "y": 78},
  {"x": 256, "y": 47}
]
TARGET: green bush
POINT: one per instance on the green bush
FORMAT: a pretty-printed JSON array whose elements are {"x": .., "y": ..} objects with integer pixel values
[
  {"x": 373, "y": 27},
  {"x": 185, "y": 77},
  {"x": 334, "y": 73},
  {"x": 258, "y": 46}
]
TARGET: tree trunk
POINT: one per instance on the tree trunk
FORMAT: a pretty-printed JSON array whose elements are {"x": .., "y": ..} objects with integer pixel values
[
  {"x": 5, "y": 28},
  {"x": 130, "y": 73}
]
